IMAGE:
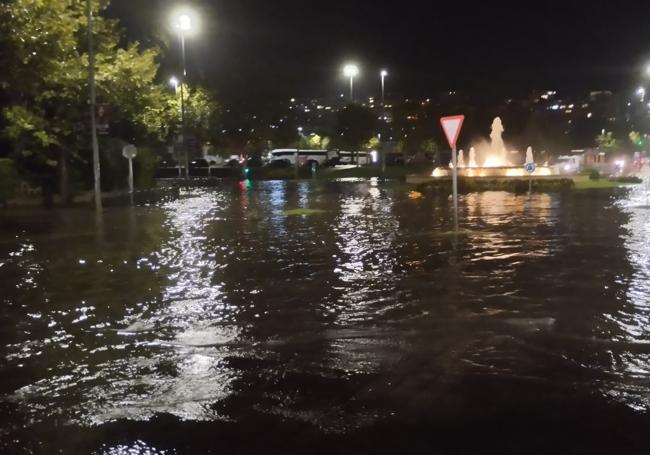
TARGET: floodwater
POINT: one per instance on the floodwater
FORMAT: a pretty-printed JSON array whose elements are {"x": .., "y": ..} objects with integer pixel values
[{"x": 217, "y": 323}]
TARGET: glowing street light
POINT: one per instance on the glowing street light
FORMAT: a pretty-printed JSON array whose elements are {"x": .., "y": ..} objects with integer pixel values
[
  {"x": 184, "y": 21},
  {"x": 383, "y": 75},
  {"x": 351, "y": 71},
  {"x": 173, "y": 81},
  {"x": 641, "y": 92}
]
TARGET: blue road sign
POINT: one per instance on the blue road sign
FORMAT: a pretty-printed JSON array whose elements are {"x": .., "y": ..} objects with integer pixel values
[{"x": 530, "y": 167}]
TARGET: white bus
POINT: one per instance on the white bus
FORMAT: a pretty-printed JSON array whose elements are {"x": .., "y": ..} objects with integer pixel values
[
  {"x": 317, "y": 157},
  {"x": 305, "y": 157},
  {"x": 362, "y": 158}
]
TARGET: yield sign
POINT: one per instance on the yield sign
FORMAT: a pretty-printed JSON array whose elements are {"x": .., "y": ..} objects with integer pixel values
[{"x": 452, "y": 126}]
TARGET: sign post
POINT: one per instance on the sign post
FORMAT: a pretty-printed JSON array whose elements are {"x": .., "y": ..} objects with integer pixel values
[
  {"x": 530, "y": 168},
  {"x": 129, "y": 152},
  {"x": 451, "y": 126}
]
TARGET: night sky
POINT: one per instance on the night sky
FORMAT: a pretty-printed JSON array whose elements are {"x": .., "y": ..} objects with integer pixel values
[{"x": 263, "y": 49}]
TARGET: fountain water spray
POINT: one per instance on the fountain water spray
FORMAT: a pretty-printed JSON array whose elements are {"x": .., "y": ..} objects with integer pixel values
[
  {"x": 494, "y": 159},
  {"x": 529, "y": 156},
  {"x": 461, "y": 159},
  {"x": 472, "y": 157}
]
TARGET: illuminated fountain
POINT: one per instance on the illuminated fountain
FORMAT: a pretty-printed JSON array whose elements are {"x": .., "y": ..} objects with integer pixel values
[{"x": 495, "y": 159}]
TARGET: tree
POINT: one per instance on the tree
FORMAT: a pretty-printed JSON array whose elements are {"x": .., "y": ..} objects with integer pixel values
[
  {"x": 314, "y": 141},
  {"x": 608, "y": 142},
  {"x": 418, "y": 127},
  {"x": 162, "y": 115},
  {"x": 45, "y": 78},
  {"x": 372, "y": 144},
  {"x": 355, "y": 126},
  {"x": 637, "y": 140}
]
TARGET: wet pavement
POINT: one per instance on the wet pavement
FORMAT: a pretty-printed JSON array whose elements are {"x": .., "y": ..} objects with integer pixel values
[{"x": 217, "y": 323}]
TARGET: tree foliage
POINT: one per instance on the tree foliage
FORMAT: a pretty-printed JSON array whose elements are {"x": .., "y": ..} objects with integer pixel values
[
  {"x": 162, "y": 117},
  {"x": 355, "y": 126},
  {"x": 637, "y": 140},
  {"x": 608, "y": 142},
  {"x": 45, "y": 79}
]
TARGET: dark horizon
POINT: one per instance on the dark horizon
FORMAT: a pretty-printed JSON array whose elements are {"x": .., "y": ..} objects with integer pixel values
[{"x": 256, "y": 49}]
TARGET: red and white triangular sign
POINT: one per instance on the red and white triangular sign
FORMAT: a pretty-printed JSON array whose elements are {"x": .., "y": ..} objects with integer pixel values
[{"x": 452, "y": 125}]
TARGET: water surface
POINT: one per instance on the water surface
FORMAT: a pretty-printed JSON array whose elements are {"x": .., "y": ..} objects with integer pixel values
[{"x": 220, "y": 322}]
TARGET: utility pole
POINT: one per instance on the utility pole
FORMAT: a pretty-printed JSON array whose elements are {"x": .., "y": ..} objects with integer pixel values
[
  {"x": 183, "y": 121},
  {"x": 93, "y": 103}
]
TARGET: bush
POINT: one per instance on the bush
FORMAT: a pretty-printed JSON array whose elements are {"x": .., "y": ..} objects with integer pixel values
[
  {"x": 628, "y": 179},
  {"x": 8, "y": 179},
  {"x": 145, "y": 165},
  {"x": 115, "y": 168},
  {"x": 471, "y": 185},
  {"x": 594, "y": 174}
]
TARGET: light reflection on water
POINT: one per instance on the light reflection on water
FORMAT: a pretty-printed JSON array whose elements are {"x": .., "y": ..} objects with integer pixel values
[
  {"x": 217, "y": 306},
  {"x": 630, "y": 352}
]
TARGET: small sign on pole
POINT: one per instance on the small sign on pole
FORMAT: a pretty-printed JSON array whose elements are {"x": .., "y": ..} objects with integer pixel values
[
  {"x": 129, "y": 152},
  {"x": 530, "y": 168},
  {"x": 103, "y": 116},
  {"x": 452, "y": 125}
]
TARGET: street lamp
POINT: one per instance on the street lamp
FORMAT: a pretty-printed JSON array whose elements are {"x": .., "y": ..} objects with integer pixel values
[
  {"x": 297, "y": 163},
  {"x": 185, "y": 24},
  {"x": 351, "y": 71},
  {"x": 641, "y": 92},
  {"x": 383, "y": 75},
  {"x": 173, "y": 81}
]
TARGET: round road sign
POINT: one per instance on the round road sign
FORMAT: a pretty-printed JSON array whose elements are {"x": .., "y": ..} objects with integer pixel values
[
  {"x": 129, "y": 151},
  {"x": 530, "y": 167}
]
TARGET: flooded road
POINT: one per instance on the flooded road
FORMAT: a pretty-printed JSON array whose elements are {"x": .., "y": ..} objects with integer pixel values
[{"x": 220, "y": 322}]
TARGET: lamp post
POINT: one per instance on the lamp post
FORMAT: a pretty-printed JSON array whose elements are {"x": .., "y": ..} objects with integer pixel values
[
  {"x": 183, "y": 24},
  {"x": 383, "y": 75},
  {"x": 351, "y": 71},
  {"x": 297, "y": 163},
  {"x": 93, "y": 102},
  {"x": 173, "y": 81}
]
